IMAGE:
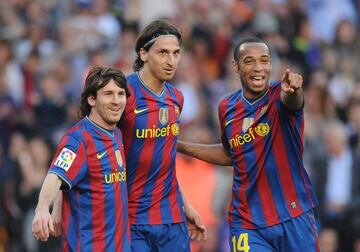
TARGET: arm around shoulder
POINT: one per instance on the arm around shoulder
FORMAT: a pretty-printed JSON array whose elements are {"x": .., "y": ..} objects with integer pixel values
[{"x": 212, "y": 153}]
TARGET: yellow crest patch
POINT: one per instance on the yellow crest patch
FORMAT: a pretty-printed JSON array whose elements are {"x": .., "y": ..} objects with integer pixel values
[
  {"x": 262, "y": 129},
  {"x": 175, "y": 129}
]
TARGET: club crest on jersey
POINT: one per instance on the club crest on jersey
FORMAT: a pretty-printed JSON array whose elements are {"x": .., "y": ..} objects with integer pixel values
[
  {"x": 65, "y": 159},
  {"x": 262, "y": 129},
  {"x": 118, "y": 158},
  {"x": 177, "y": 111},
  {"x": 163, "y": 116},
  {"x": 247, "y": 122}
]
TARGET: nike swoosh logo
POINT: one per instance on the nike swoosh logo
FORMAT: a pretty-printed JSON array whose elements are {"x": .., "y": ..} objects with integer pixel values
[
  {"x": 138, "y": 111},
  {"x": 228, "y": 122},
  {"x": 99, "y": 156}
]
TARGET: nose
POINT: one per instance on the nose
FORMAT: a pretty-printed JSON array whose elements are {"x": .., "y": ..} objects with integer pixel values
[
  {"x": 258, "y": 66},
  {"x": 171, "y": 59},
  {"x": 117, "y": 99}
]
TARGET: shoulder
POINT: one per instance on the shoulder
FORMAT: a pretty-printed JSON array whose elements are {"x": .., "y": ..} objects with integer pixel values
[
  {"x": 75, "y": 134},
  {"x": 229, "y": 99},
  {"x": 132, "y": 78}
]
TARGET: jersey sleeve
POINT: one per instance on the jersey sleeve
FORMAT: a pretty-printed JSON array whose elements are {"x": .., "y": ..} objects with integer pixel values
[
  {"x": 69, "y": 162},
  {"x": 222, "y": 109}
]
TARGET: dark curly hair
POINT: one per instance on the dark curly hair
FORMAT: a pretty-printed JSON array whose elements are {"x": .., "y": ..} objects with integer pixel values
[
  {"x": 147, "y": 38},
  {"x": 98, "y": 78}
]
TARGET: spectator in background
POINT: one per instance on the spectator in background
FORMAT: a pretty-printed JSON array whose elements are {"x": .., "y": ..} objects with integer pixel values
[
  {"x": 13, "y": 75},
  {"x": 7, "y": 106},
  {"x": 336, "y": 176}
]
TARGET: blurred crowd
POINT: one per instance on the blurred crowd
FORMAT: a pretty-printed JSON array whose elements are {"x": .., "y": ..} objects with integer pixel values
[{"x": 47, "y": 47}]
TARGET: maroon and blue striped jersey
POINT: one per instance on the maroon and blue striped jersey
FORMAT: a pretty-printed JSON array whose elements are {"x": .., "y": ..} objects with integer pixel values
[
  {"x": 89, "y": 161},
  {"x": 265, "y": 141},
  {"x": 150, "y": 125}
]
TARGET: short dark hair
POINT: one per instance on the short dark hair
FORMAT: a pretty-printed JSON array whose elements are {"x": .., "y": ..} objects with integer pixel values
[
  {"x": 244, "y": 41},
  {"x": 97, "y": 78},
  {"x": 147, "y": 38}
]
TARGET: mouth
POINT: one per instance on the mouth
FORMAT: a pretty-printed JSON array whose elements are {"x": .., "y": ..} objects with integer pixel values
[
  {"x": 169, "y": 70},
  {"x": 114, "y": 110},
  {"x": 258, "y": 80}
]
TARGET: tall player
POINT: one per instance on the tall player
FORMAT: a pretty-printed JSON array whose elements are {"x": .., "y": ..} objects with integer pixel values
[
  {"x": 262, "y": 138},
  {"x": 89, "y": 166},
  {"x": 151, "y": 126}
]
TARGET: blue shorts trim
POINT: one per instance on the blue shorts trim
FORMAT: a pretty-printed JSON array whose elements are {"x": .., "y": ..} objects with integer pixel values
[
  {"x": 299, "y": 234},
  {"x": 160, "y": 238}
]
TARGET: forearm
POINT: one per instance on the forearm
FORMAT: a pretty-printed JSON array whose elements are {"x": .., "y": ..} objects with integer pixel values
[
  {"x": 214, "y": 153},
  {"x": 186, "y": 201},
  {"x": 49, "y": 191},
  {"x": 294, "y": 100}
]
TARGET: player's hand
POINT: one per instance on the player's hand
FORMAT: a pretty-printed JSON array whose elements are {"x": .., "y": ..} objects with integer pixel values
[
  {"x": 42, "y": 224},
  {"x": 291, "y": 82},
  {"x": 196, "y": 228},
  {"x": 56, "y": 217}
]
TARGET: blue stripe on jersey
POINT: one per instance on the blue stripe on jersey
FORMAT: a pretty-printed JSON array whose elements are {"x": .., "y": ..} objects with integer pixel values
[
  {"x": 72, "y": 231},
  {"x": 294, "y": 160},
  {"x": 110, "y": 207},
  {"x": 150, "y": 163},
  {"x": 269, "y": 193},
  {"x": 86, "y": 226},
  {"x": 78, "y": 205}
]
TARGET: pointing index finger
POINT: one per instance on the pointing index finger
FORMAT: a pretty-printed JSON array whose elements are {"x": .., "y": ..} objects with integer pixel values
[{"x": 286, "y": 77}]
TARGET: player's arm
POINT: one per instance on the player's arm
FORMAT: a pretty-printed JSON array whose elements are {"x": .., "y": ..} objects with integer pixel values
[
  {"x": 42, "y": 223},
  {"x": 196, "y": 227},
  {"x": 56, "y": 215},
  {"x": 212, "y": 153},
  {"x": 292, "y": 95}
]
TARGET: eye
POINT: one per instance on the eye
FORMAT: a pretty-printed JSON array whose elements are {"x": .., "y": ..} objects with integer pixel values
[{"x": 248, "y": 61}]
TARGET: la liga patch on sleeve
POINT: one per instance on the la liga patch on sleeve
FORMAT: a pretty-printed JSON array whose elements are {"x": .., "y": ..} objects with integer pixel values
[{"x": 65, "y": 159}]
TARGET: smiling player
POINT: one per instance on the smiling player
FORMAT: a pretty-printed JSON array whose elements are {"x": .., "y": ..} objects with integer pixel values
[{"x": 89, "y": 167}]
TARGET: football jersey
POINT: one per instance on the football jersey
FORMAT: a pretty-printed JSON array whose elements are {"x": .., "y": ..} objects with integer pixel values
[
  {"x": 90, "y": 162},
  {"x": 150, "y": 125},
  {"x": 265, "y": 141}
]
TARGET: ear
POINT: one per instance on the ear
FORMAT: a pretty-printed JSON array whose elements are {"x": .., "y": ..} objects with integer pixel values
[
  {"x": 235, "y": 66},
  {"x": 91, "y": 100},
  {"x": 144, "y": 55}
]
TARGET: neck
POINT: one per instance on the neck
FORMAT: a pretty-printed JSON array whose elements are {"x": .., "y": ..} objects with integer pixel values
[
  {"x": 254, "y": 96},
  {"x": 95, "y": 118},
  {"x": 149, "y": 80}
]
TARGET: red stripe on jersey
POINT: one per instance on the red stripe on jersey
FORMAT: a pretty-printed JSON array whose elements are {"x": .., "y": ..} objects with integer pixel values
[
  {"x": 262, "y": 183},
  {"x": 148, "y": 151},
  {"x": 65, "y": 213},
  {"x": 302, "y": 171},
  {"x": 171, "y": 145},
  {"x": 282, "y": 162},
  {"x": 180, "y": 98},
  {"x": 78, "y": 162},
  {"x": 97, "y": 196},
  {"x": 129, "y": 128},
  {"x": 244, "y": 208},
  {"x": 145, "y": 159},
  {"x": 118, "y": 198}
]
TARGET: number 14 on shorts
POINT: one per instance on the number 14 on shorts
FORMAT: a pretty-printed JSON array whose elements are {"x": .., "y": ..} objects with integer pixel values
[{"x": 241, "y": 243}]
